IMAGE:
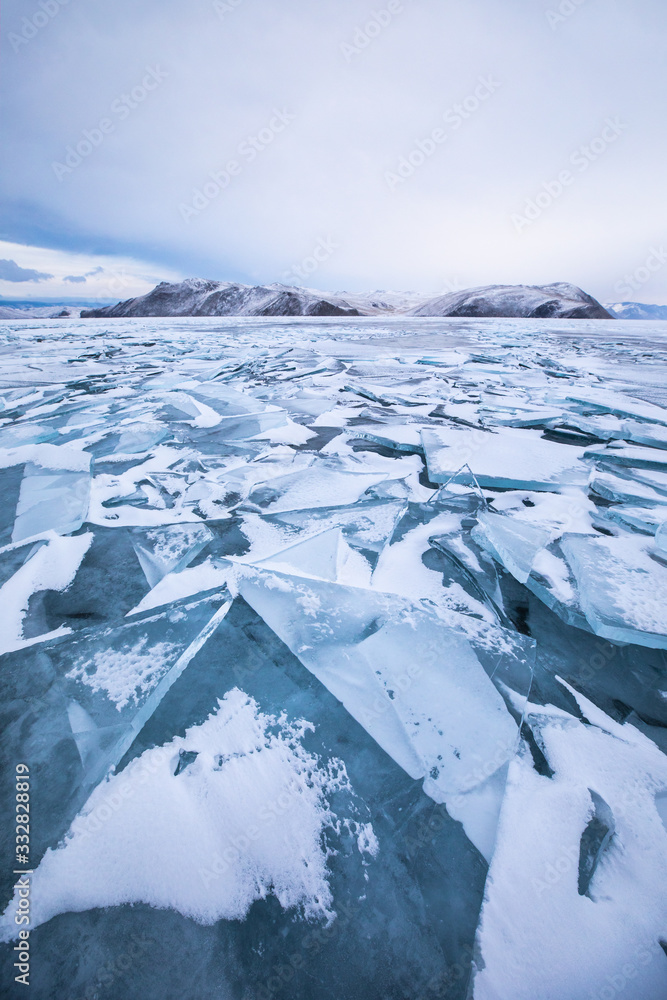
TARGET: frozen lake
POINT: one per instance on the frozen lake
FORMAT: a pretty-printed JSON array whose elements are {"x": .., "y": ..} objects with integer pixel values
[{"x": 336, "y": 652}]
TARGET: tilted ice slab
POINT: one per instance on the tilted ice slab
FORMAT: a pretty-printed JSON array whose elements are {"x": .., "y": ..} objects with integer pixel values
[
  {"x": 55, "y": 488},
  {"x": 629, "y": 455},
  {"x": 366, "y": 525},
  {"x": 313, "y": 487},
  {"x": 529, "y": 550},
  {"x": 50, "y": 564},
  {"x": 166, "y": 550},
  {"x": 611, "y": 585},
  {"x": 540, "y": 936},
  {"x": 620, "y": 490},
  {"x": 158, "y": 816},
  {"x": 509, "y": 459},
  {"x": 609, "y": 428},
  {"x": 621, "y": 587},
  {"x": 413, "y": 680},
  {"x": 401, "y": 437},
  {"x": 234, "y": 415},
  {"x": 107, "y": 681},
  {"x": 604, "y": 401},
  {"x": 73, "y": 706},
  {"x": 324, "y": 556},
  {"x": 430, "y": 555},
  {"x": 644, "y": 519}
]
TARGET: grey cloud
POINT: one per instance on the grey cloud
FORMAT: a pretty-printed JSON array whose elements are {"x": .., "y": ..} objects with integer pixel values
[
  {"x": 78, "y": 279},
  {"x": 364, "y": 97},
  {"x": 10, "y": 271}
]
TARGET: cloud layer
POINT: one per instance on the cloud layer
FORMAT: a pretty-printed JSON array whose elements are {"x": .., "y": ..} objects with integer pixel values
[
  {"x": 437, "y": 143},
  {"x": 10, "y": 271}
]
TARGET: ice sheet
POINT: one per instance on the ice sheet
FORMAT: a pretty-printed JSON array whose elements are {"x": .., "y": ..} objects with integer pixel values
[{"x": 149, "y": 466}]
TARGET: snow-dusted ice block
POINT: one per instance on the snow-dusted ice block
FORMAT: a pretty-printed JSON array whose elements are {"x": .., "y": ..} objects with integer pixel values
[
  {"x": 118, "y": 676},
  {"x": 411, "y": 678},
  {"x": 399, "y": 437},
  {"x": 134, "y": 437},
  {"x": 512, "y": 542},
  {"x": 540, "y": 937},
  {"x": 622, "y": 587},
  {"x": 73, "y": 706},
  {"x": 326, "y": 556},
  {"x": 114, "y": 677},
  {"x": 644, "y": 519},
  {"x": 594, "y": 399},
  {"x": 661, "y": 541},
  {"x": 652, "y": 435},
  {"x": 168, "y": 549},
  {"x": 50, "y": 564},
  {"x": 15, "y": 435},
  {"x": 620, "y": 490},
  {"x": 233, "y": 415},
  {"x": 629, "y": 455},
  {"x": 525, "y": 551},
  {"x": 431, "y": 555},
  {"x": 313, "y": 487},
  {"x": 227, "y": 401},
  {"x": 508, "y": 459},
  {"x": 10, "y": 489},
  {"x": 366, "y": 525},
  {"x": 55, "y": 489}
]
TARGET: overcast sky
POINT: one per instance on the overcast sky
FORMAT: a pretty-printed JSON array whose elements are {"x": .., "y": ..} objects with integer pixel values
[{"x": 422, "y": 144}]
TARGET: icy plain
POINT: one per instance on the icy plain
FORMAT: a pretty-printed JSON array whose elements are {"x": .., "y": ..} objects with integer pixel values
[{"x": 337, "y": 652}]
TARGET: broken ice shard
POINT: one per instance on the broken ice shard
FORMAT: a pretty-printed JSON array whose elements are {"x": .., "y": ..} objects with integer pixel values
[
  {"x": 313, "y": 487},
  {"x": 54, "y": 491},
  {"x": 366, "y": 525},
  {"x": 410, "y": 677},
  {"x": 169, "y": 549},
  {"x": 594, "y": 841},
  {"x": 508, "y": 459},
  {"x": 74, "y": 705},
  {"x": 622, "y": 587}
]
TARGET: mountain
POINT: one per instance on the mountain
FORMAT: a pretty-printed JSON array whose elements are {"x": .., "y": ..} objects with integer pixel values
[
  {"x": 637, "y": 310},
  {"x": 383, "y": 302},
  {"x": 198, "y": 297},
  {"x": 38, "y": 312},
  {"x": 558, "y": 301}
]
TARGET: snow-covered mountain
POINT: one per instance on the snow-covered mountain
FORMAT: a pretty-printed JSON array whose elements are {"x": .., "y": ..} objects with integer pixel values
[
  {"x": 382, "y": 301},
  {"x": 637, "y": 310},
  {"x": 198, "y": 297},
  {"x": 38, "y": 312},
  {"x": 558, "y": 301}
]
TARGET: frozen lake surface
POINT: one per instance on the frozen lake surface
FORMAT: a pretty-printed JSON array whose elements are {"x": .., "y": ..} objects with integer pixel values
[{"x": 336, "y": 651}]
